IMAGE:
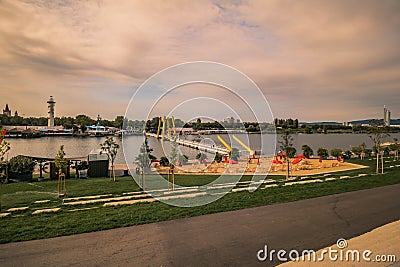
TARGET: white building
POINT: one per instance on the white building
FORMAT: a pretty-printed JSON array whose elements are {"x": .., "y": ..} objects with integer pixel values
[{"x": 386, "y": 116}]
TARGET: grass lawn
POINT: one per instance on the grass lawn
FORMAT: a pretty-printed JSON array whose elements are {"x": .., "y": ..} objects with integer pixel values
[{"x": 23, "y": 225}]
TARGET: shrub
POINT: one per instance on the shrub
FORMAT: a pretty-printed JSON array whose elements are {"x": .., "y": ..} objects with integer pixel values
[
  {"x": 322, "y": 152},
  {"x": 164, "y": 161},
  {"x": 22, "y": 165},
  {"x": 336, "y": 152}
]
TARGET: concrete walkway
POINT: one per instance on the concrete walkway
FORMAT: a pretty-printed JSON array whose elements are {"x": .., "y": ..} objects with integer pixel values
[{"x": 222, "y": 239}]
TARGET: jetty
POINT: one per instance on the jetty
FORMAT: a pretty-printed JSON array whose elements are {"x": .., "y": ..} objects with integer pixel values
[{"x": 194, "y": 145}]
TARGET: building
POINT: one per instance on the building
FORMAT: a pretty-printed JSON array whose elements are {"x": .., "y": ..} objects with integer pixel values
[
  {"x": 386, "y": 116},
  {"x": 229, "y": 120},
  {"x": 7, "y": 111},
  {"x": 51, "y": 104}
]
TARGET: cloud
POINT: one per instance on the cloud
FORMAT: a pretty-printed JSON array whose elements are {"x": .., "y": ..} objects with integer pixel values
[{"x": 313, "y": 60}]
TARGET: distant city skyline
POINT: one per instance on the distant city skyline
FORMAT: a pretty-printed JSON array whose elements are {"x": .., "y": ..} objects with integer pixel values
[{"x": 313, "y": 60}]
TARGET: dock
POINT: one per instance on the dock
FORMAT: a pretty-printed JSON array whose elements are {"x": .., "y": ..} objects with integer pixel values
[{"x": 196, "y": 145}]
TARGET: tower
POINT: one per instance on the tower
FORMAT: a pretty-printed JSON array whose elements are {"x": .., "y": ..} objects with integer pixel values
[
  {"x": 386, "y": 116},
  {"x": 7, "y": 111},
  {"x": 51, "y": 105}
]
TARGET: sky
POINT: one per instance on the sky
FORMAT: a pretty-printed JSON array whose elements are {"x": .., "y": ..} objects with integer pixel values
[{"x": 312, "y": 60}]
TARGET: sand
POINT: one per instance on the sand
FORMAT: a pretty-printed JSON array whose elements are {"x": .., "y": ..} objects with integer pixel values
[{"x": 265, "y": 166}]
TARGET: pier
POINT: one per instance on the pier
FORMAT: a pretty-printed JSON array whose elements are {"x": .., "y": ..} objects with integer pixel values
[{"x": 195, "y": 145}]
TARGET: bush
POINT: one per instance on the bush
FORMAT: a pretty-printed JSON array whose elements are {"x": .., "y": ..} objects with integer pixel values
[
  {"x": 22, "y": 165},
  {"x": 307, "y": 151},
  {"x": 218, "y": 157},
  {"x": 164, "y": 161},
  {"x": 336, "y": 152},
  {"x": 291, "y": 152},
  {"x": 322, "y": 152}
]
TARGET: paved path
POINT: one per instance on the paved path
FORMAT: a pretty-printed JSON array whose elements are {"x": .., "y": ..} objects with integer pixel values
[{"x": 229, "y": 238}]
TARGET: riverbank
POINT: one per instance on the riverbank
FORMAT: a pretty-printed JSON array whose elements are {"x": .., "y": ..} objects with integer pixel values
[{"x": 35, "y": 212}]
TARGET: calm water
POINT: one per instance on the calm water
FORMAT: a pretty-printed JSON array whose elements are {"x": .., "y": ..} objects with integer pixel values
[{"x": 78, "y": 147}]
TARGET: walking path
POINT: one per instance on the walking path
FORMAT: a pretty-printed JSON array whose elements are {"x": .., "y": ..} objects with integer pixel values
[{"x": 227, "y": 238}]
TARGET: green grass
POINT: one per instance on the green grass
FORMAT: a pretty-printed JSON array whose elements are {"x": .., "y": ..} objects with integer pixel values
[{"x": 25, "y": 226}]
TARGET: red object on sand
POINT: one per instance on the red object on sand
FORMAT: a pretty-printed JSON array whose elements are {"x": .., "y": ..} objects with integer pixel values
[
  {"x": 3, "y": 134},
  {"x": 320, "y": 159},
  {"x": 297, "y": 160},
  {"x": 277, "y": 161},
  {"x": 281, "y": 154}
]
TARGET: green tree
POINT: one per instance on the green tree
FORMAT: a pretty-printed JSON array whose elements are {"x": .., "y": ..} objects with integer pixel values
[
  {"x": 291, "y": 152},
  {"x": 164, "y": 161},
  {"x": 201, "y": 156},
  {"x": 307, "y": 151},
  {"x": 83, "y": 121},
  {"x": 234, "y": 154},
  {"x": 118, "y": 122},
  {"x": 286, "y": 145},
  {"x": 173, "y": 156},
  {"x": 218, "y": 157},
  {"x": 377, "y": 134},
  {"x": 4, "y": 148},
  {"x": 357, "y": 150},
  {"x": 144, "y": 158},
  {"x": 322, "y": 152},
  {"x": 395, "y": 147},
  {"x": 61, "y": 164},
  {"x": 110, "y": 148},
  {"x": 60, "y": 161},
  {"x": 336, "y": 152}
]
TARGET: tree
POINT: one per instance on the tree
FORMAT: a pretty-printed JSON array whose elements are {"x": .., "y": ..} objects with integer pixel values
[
  {"x": 291, "y": 152},
  {"x": 60, "y": 161},
  {"x": 144, "y": 158},
  {"x": 110, "y": 148},
  {"x": 395, "y": 148},
  {"x": 218, "y": 157},
  {"x": 377, "y": 134},
  {"x": 201, "y": 157},
  {"x": 118, "y": 122},
  {"x": 4, "y": 146},
  {"x": 336, "y": 152},
  {"x": 307, "y": 151},
  {"x": 234, "y": 154},
  {"x": 363, "y": 147},
  {"x": 322, "y": 152},
  {"x": 296, "y": 123},
  {"x": 357, "y": 150},
  {"x": 174, "y": 155},
  {"x": 286, "y": 145},
  {"x": 61, "y": 164},
  {"x": 164, "y": 161}
]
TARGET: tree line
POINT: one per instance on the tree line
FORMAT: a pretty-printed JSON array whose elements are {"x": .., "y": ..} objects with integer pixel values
[{"x": 67, "y": 122}]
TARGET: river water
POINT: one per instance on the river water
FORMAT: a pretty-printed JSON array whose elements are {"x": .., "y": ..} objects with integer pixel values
[{"x": 81, "y": 147}]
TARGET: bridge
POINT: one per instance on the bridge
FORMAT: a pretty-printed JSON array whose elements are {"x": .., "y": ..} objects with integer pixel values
[{"x": 195, "y": 145}]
